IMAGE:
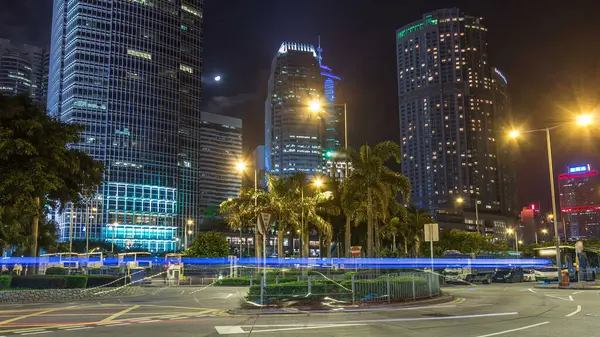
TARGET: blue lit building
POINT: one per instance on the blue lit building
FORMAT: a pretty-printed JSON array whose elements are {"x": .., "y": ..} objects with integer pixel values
[
  {"x": 130, "y": 70},
  {"x": 333, "y": 119},
  {"x": 294, "y": 134}
]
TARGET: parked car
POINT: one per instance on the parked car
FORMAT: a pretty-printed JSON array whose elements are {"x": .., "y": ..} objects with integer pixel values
[
  {"x": 509, "y": 275},
  {"x": 547, "y": 274},
  {"x": 529, "y": 275}
]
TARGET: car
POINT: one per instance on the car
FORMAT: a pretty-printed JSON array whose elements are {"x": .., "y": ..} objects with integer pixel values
[
  {"x": 509, "y": 275},
  {"x": 529, "y": 275},
  {"x": 549, "y": 273}
]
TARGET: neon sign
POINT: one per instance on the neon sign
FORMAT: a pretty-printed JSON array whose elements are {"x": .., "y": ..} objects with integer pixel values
[
  {"x": 428, "y": 21},
  {"x": 584, "y": 168}
]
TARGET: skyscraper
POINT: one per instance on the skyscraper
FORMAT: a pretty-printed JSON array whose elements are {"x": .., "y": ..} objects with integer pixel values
[
  {"x": 24, "y": 70},
  {"x": 294, "y": 134},
  {"x": 129, "y": 70},
  {"x": 580, "y": 201},
  {"x": 220, "y": 149},
  {"x": 446, "y": 110}
]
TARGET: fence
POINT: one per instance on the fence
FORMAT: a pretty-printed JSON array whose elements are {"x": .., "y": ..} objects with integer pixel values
[{"x": 357, "y": 289}]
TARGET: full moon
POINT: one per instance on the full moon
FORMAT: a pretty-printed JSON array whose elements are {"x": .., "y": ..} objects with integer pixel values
[{"x": 217, "y": 79}]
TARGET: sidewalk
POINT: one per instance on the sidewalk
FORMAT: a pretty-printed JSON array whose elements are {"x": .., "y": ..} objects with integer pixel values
[
  {"x": 592, "y": 285},
  {"x": 349, "y": 308}
]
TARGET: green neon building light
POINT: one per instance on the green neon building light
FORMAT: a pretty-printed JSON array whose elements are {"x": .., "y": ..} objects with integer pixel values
[{"x": 427, "y": 22}]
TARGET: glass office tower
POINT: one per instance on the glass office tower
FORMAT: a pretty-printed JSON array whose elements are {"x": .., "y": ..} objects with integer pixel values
[
  {"x": 130, "y": 71},
  {"x": 23, "y": 70}
]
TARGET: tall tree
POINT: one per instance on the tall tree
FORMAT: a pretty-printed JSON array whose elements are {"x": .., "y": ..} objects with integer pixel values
[
  {"x": 36, "y": 163},
  {"x": 412, "y": 229},
  {"x": 209, "y": 244},
  {"x": 378, "y": 182}
]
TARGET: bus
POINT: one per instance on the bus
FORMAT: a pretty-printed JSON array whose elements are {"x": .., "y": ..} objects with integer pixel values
[{"x": 581, "y": 266}]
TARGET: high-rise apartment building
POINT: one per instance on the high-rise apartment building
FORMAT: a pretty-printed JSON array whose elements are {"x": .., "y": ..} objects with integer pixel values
[
  {"x": 294, "y": 136},
  {"x": 24, "y": 70},
  {"x": 130, "y": 70},
  {"x": 580, "y": 201},
  {"x": 447, "y": 111},
  {"x": 220, "y": 149}
]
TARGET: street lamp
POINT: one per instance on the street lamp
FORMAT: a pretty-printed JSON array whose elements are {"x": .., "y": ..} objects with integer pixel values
[
  {"x": 241, "y": 166},
  {"x": 582, "y": 120},
  {"x": 113, "y": 229},
  {"x": 189, "y": 223},
  {"x": 460, "y": 201},
  {"x": 512, "y": 231}
]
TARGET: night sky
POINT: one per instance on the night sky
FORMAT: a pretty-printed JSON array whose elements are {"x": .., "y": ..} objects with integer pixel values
[{"x": 549, "y": 51}]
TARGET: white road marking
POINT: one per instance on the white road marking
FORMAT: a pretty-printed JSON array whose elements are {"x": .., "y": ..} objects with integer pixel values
[
  {"x": 533, "y": 291},
  {"x": 182, "y": 292},
  {"x": 176, "y": 318},
  {"x": 119, "y": 324},
  {"x": 574, "y": 312},
  {"x": 228, "y": 330},
  {"x": 504, "y": 288},
  {"x": 195, "y": 299},
  {"x": 561, "y": 298},
  {"x": 70, "y": 327},
  {"x": 513, "y": 330},
  {"x": 577, "y": 292},
  {"x": 152, "y": 321},
  {"x": 80, "y": 328},
  {"x": 34, "y": 333}
]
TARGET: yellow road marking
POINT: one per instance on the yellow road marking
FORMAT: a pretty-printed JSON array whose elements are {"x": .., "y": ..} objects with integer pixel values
[
  {"x": 31, "y": 315},
  {"x": 120, "y": 313}
]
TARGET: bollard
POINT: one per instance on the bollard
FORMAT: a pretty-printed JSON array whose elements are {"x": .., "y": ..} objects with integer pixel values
[
  {"x": 429, "y": 282},
  {"x": 413, "y": 287},
  {"x": 309, "y": 287},
  {"x": 388, "y": 288}
]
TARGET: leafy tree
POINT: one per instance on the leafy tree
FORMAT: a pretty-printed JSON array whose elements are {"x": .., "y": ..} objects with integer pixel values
[
  {"x": 37, "y": 166},
  {"x": 377, "y": 182},
  {"x": 209, "y": 244}
]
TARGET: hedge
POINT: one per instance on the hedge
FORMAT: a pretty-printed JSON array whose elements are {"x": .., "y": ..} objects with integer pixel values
[
  {"x": 49, "y": 282},
  {"x": 56, "y": 271},
  {"x": 5, "y": 281},
  {"x": 245, "y": 281},
  {"x": 101, "y": 280}
]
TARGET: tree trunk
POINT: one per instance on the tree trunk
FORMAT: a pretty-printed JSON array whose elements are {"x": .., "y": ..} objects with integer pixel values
[
  {"x": 328, "y": 248},
  {"x": 35, "y": 234},
  {"x": 348, "y": 238},
  {"x": 377, "y": 240},
  {"x": 280, "y": 252},
  {"x": 369, "y": 223},
  {"x": 257, "y": 245},
  {"x": 405, "y": 246},
  {"x": 394, "y": 243},
  {"x": 305, "y": 241}
]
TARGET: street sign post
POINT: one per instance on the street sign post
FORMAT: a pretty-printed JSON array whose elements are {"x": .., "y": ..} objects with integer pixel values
[
  {"x": 432, "y": 233},
  {"x": 263, "y": 228},
  {"x": 355, "y": 252},
  {"x": 578, "y": 251}
]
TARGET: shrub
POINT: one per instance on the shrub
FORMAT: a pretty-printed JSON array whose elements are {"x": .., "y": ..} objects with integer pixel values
[
  {"x": 100, "y": 280},
  {"x": 56, "y": 271},
  {"x": 245, "y": 281},
  {"x": 5, "y": 281},
  {"x": 76, "y": 281},
  {"x": 39, "y": 282}
]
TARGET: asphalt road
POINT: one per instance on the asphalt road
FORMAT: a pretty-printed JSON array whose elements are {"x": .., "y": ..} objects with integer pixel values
[{"x": 478, "y": 311}]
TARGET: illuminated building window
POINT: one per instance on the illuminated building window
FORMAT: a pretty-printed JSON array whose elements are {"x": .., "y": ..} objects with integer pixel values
[
  {"x": 139, "y": 54},
  {"x": 185, "y": 68}
]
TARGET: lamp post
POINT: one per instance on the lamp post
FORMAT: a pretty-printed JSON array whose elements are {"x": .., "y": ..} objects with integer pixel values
[
  {"x": 113, "y": 229},
  {"x": 544, "y": 231},
  {"x": 512, "y": 231},
  {"x": 187, "y": 231},
  {"x": 304, "y": 237},
  {"x": 582, "y": 120},
  {"x": 460, "y": 200},
  {"x": 316, "y": 107},
  {"x": 241, "y": 167}
]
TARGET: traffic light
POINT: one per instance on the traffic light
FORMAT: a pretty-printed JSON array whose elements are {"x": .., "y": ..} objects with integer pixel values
[{"x": 328, "y": 154}]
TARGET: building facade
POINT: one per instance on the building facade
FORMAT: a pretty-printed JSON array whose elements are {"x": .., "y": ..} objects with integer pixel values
[
  {"x": 294, "y": 136},
  {"x": 130, "y": 71},
  {"x": 24, "y": 70},
  {"x": 580, "y": 201},
  {"x": 220, "y": 149}
]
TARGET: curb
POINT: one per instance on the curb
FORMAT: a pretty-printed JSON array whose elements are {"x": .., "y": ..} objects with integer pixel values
[{"x": 351, "y": 309}]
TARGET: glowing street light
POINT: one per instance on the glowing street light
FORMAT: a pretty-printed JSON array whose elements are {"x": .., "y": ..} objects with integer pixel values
[
  {"x": 514, "y": 134},
  {"x": 544, "y": 231},
  {"x": 315, "y": 106},
  {"x": 460, "y": 200},
  {"x": 241, "y": 166},
  {"x": 510, "y": 231},
  {"x": 517, "y": 241},
  {"x": 318, "y": 182},
  {"x": 584, "y": 120}
]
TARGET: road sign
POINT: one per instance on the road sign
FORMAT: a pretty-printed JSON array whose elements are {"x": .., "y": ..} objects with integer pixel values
[
  {"x": 263, "y": 226},
  {"x": 355, "y": 251},
  {"x": 432, "y": 232}
]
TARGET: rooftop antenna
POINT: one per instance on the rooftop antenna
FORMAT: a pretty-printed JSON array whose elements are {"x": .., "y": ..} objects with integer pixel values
[{"x": 319, "y": 51}]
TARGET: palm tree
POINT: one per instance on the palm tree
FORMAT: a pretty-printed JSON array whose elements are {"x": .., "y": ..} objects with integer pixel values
[
  {"x": 283, "y": 197},
  {"x": 411, "y": 230},
  {"x": 380, "y": 183},
  {"x": 350, "y": 203}
]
